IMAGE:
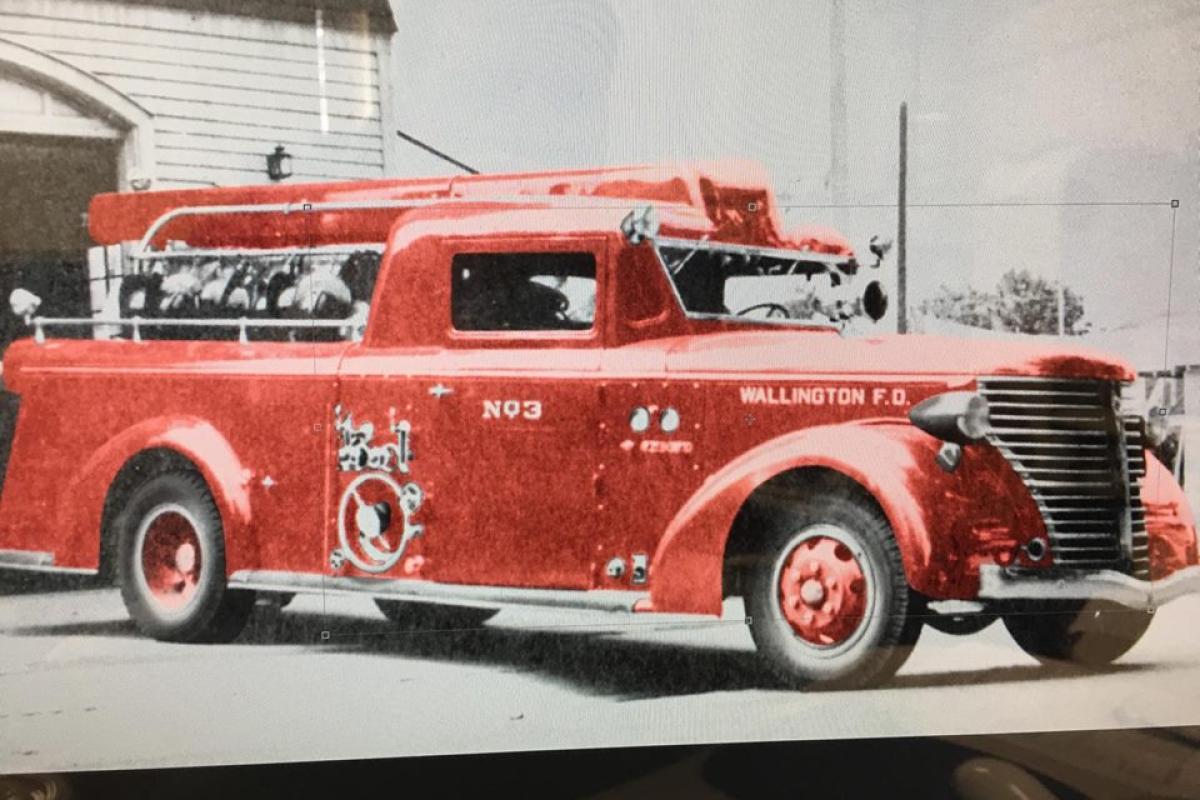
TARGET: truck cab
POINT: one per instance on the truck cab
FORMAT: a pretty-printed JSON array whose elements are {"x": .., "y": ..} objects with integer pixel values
[{"x": 624, "y": 389}]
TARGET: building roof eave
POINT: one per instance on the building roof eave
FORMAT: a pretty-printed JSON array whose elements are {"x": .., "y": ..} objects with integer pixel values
[{"x": 336, "y": 13}]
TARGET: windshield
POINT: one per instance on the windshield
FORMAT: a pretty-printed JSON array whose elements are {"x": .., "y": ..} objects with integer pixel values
[{"x": 756, "y": 284}]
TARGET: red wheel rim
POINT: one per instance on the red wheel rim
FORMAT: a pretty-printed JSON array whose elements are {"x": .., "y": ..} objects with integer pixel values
[
  {"x": 823, "y": 591},
  {"x": 171, "y": 559}
]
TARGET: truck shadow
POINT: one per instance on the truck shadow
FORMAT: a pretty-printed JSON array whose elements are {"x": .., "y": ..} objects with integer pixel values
[
  {"x": 600, "y": 660},
  {"x": 19, "y": 583},
  {"x": 122, "y": 628},
  {"x": 595, "y": 660},
  {"x": 1021, "y": 673}
]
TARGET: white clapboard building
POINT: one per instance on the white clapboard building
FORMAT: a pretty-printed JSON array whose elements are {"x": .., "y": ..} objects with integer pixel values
[
  {"x": 196, "y": 93},
  {"x": 100, "y": 95}
]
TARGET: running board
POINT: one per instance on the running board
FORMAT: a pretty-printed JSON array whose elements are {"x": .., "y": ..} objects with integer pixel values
[
  {"x": 488, "y": 596},
  {"x": 38, "y": 561}
]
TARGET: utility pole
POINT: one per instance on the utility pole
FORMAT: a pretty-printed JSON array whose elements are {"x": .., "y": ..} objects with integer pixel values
[
  {"x": 1062, "y": 309},
  {"x": 902, "y": 228},
  {"x": 838, "y": 174}
]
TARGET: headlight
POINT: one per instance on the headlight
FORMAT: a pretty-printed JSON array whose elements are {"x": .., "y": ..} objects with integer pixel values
[{"x": 960, "y": 417}]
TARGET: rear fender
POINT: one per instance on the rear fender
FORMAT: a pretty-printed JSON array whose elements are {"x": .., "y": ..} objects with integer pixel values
[
  {"x": 933, "y": 514},
  {"x": 82, "y": 508}
]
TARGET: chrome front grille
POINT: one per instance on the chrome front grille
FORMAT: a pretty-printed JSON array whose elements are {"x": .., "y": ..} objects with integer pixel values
[
  {"x": 1135, "y": 467},
  {"x": 1082, "y": 462}
]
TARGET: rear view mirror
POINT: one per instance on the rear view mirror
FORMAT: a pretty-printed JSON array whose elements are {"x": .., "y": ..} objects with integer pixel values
[
  {"x": 24, "y": 303},
  {"x": 640, "y": 224},
  {"x": 875, "y": 301},
  {"x": 879, "y": 247}
]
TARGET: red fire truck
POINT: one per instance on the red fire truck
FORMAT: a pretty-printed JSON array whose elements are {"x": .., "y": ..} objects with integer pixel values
[{"x": 624, "y": 389}]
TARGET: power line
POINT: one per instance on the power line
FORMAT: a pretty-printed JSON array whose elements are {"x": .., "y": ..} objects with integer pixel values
[{"x": 430, "y": 149}]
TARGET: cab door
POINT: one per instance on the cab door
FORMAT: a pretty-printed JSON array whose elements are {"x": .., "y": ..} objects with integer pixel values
[
  {"x": 525, "y": 347},
  {"x": 501, "y": 422}
]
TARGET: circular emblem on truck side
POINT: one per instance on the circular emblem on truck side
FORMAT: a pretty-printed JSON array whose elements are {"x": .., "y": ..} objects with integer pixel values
[{"x": 375, "y": 520}]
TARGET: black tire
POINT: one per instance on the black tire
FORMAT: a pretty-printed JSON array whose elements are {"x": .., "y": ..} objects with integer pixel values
[
  {"x": 416, "y": 616},
  {"x": 1087, "y": 633},
  {"x": 176, "y": 510},
  {"x": 960, "y": 624},
  {"x": 890, "y": 623}
]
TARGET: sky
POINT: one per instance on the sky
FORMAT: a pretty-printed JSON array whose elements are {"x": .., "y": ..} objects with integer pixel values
[{"x": 1092, "y": 104}]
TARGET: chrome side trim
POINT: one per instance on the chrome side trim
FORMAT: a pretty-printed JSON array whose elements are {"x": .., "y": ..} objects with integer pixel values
[
  {"x": 37, "y": 561},
  {"x": 453, "y": 594},
  {"x": 997, "y": 583}
]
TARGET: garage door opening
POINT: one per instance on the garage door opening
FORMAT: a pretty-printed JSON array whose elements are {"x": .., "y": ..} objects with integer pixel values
[{"x": 49, "y": 181}]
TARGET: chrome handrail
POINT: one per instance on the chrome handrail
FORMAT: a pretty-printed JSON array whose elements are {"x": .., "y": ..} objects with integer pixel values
[
  {"x": 242, "y": 324},
  {"x": 223, "y": 252}
]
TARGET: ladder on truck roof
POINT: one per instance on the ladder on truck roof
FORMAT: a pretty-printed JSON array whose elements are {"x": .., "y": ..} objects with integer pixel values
[
  {"x": 146, "y": 252},
  {"x": 144, "y": 248}
]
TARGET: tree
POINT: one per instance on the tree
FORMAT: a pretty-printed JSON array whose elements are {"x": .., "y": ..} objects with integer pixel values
[
  {"x": 968, "y": 306},
  {"x": 1021, "y": 302}
]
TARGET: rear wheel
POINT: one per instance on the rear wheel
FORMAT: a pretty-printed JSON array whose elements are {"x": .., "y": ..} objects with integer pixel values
[
  {"x": 171, "y": 562},
  {"x": 411, "y": 615},
  {"x": 1090, "y": 633},
  {"x": 827, "y": 595}
]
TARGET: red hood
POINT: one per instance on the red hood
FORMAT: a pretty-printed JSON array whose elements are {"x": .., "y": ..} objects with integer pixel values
[{"x": 826, "y": 352}]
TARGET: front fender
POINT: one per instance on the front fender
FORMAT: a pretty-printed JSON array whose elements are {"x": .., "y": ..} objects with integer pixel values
[
  {"x": 83, "y": 500},
  {"x": 935, "y": 516},
  {"x": 1170, "y": 525}
]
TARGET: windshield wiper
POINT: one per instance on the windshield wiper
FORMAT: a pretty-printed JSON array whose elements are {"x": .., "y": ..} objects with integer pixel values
[{"x": 680, "y": 264}]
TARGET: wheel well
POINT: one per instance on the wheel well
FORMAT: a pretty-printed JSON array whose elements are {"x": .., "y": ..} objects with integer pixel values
[
  {"x": 769, "y": 502},
  {"x": 136, "y": 471}
]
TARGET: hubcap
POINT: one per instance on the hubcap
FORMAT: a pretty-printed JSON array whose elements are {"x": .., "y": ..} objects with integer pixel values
[
  {"x": 823, "y": 591},
  {"x": 171, "y": 559}
]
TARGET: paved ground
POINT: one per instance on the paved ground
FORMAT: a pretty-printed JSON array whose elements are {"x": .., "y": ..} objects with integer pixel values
[{"x": 79, "y": 688}]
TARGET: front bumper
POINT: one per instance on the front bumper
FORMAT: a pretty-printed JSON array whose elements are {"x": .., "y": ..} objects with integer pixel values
[{"x": 998, "y": 583}]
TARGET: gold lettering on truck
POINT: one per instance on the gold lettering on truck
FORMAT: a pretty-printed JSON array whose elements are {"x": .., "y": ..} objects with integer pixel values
[{"x": 821, "y": 396}]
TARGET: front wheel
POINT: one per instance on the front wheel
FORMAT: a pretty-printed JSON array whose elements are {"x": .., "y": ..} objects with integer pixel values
[
  {"x": 827, "y": 595},
  {"x": 1089, "y": 633},
  {"x": 171, "y": 562}
]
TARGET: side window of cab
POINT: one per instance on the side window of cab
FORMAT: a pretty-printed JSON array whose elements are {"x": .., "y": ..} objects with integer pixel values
[{"x": 500, "y": 292}]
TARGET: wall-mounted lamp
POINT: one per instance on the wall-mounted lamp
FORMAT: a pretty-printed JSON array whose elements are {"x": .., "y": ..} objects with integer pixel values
[{"x": 279, "y": 164}]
